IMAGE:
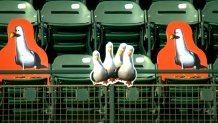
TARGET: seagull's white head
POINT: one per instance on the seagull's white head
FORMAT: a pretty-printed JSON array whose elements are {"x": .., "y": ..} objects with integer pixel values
[
  {"x": 178, "y": 34},
  {"x": 129, "y": 50},
  {"x": 18, "y": 32},
  {"x": 109, "y": 49},
  {"x": 95, "y": 56},
  {"x": 121, "y": 49},
  {"x": 128, "y": 55}
]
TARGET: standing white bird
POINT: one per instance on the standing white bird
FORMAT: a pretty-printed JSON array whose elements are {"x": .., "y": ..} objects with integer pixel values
[
  {"x": 118, "y": 59},
  {"x": 24, "y": 56},
  {"x": 109, "y": 63},
  {"x": 127, "y": 72},
  {"x": 99, "y": 74},
  {"x": 184, "y": 57}
]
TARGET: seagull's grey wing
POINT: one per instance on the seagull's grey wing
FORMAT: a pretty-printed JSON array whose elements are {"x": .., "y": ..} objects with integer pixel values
[
  {"x": 16, "y": 60},
  {"x": 132, "y": 75},
  {"x": 176, "y": 60},
  {"x": 37, "y": 60},
  {"x": 92, "y": 76}
]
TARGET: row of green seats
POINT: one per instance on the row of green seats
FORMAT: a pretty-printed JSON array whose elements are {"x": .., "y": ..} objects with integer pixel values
[{"x": 71, "y": 28}]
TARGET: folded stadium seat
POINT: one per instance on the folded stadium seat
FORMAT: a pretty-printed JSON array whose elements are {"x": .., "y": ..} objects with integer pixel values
[
  {"x": 15, "y": 9},
  {"x": 209, "y": 30},
  {"x": 160, "y": 14},
  {"x": 137, "y": 1},
  {"x": 24, "y": 100},
  {"x": 77, "y": 99},
  {"x": 191, "y": 1},
  {"x": 141, "y": 102},
  {"x": 210, "y": 33},
  {"x": 198, "y": 4},
  {"x": 66, "y": 29},
  {"x": 124, "y": 22},
  {"x": 30, "y": 1},
  {"x": 189, "y": 100},
  {"x": 83, "y": 1}
]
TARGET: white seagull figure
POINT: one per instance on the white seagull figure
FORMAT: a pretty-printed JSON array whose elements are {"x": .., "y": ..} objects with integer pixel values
[
  {"x": 127, "y": 72},
  {"x": 109, "y": 63},
  {"x": 24, "y": 56},
  {"x": 99, "y": 74},
  {"x": 118, "y": 60},
  {"x": 184, "y": 57}
]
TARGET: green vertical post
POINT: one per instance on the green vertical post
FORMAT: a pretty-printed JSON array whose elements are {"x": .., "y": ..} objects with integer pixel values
[{"x": 112, "y": 103}]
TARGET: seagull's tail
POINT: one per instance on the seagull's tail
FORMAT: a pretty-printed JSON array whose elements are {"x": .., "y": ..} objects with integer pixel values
[
  {"x": 201, "y": 66},
  {"x": 41, "y": 66}
]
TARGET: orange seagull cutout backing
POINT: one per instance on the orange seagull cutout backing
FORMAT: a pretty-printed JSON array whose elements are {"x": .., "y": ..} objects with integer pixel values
[
  {"x": 181, "y": 53},
  {"x": 22, "y": 52}
]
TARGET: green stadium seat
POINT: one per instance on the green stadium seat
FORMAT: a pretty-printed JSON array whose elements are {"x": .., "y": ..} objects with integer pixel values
[
  {"x": 137, "y": 1},
  {"x": 209, "y": 29},
  {"x": 190, "y": 98},
  {"x": 124, "y": 22},
  {"x": 30, "y": 1},
  {"x": 77, "y": 98},
  {"x": 66, "y": 29},
  {"x": 140, "y": 99},
  {"x": 160, "y": 14},
  {"x": 15, "y": 9},
  {"x": 24, "y": 99},
  {"x": 83, "y": 1}
]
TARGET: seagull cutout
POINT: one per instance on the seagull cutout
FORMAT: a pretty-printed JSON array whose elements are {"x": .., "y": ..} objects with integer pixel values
[
  {"x": 184, "y": 57},
  {"x": 118, "y": 60},
  {"x": 24, "y": 56},
  {"x": 127, "y": 72},
  {"x": 99, "y": 74},
  {"x": 109, "y": 63}
]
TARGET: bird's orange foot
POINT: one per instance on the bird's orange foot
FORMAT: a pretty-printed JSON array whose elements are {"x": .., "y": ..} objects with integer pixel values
[
  {"x": 94, "y": 83},
  {"x": 106, "y": 83},
  {"x": 112, "y": 80},
  {"x": 128, "y": 83}
]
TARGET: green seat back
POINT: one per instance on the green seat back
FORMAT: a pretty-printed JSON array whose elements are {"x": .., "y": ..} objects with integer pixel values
[
  {"x": 15, "y": 9},
  {"x": 67, "y": 27},
  {"x": 24, "y": 96},
  {"x": 81, "y": 66},
  {"x": 210, "y": 20},
  {"x": 76, "y": 90},
  {"x": 188, "y": 97},
  {"x": 137, "y": 1},
  {"x": 123, "y": 22},
  {"x": 138, "y": 99}
]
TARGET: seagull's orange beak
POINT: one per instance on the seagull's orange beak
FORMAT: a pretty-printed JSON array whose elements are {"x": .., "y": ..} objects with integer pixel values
[
  {"x": 172, "y": 36},
  {"x": 12, "y": 35},
  {"x": 109, "y": 50},
  {"x": 121, "y": 52},
  {"x": 129, "y": 53},
  {"x": 96, "y": 58}
]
